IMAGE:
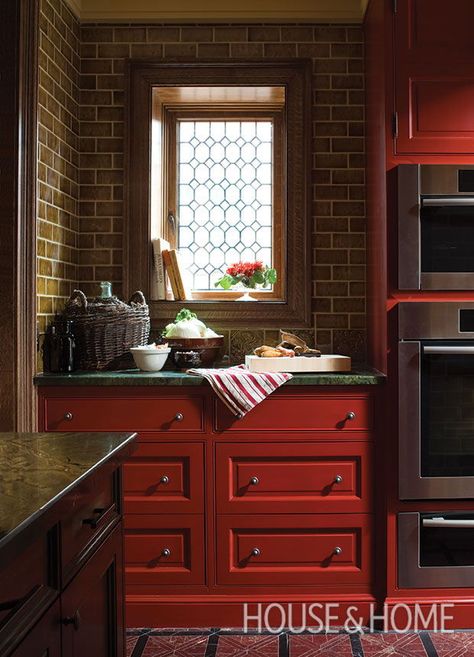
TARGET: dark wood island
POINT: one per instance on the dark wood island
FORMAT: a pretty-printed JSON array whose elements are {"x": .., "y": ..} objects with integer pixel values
[{"x": 61, "y": 544}]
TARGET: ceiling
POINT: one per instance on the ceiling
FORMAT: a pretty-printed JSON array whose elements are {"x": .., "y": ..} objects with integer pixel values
[{"x": 225, "y": 11}]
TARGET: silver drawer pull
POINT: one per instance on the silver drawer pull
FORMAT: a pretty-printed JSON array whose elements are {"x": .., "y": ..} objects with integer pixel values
[
  {"x": 166, "y": 552},
  {"x": 338, "y": 479},
  {"x": 351, "y": 415},
  {"x": 255, "y": 552},
  {"x": 254, "y": 481},
  {"x": 337, "y": 550},
  {"x": 68, "y": 416},
  {"x": 165, "y": 479},
  {"x": 179, "y": 417}
]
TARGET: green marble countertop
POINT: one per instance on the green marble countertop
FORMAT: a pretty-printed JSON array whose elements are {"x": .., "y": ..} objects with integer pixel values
[
  {"x": 37, "y": 469},
  {"x": 357, "y": 377}
]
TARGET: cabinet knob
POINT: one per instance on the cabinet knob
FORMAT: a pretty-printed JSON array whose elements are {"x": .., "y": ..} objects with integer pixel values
[
  {"x": 351, "y": 415},
  {"x": 337, "y": 550},
  {"x": 165, "y": 479},
  {"x": 254, "y": 481},
  {"x": 255, "y": 552},
  {"x": 68, "y": 416},
  {"x": 75, "y": 620},
  {"x": 179, "y": 417},
  {"x": 338, "y": 479},
  {"x": 166, "y": 552}
]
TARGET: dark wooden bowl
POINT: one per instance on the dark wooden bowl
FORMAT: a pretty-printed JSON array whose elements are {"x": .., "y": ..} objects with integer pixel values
[{"x": 209, "y": 349}]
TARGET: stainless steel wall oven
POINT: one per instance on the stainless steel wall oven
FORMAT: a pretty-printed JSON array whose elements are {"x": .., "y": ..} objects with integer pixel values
[
  {"x": 435, "y": 227},
  {"x": 436, "y": 400}
]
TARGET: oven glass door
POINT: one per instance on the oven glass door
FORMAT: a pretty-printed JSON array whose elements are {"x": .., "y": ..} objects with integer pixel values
[
  {"x": 447, "y": 239},
  {"x": 447, "y": 409}
]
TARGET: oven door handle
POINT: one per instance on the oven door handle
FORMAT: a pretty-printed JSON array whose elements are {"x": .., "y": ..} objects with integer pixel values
[
  {"x": 446, "y": 522},
  {"x": 448, "y": 350},
  {"x": 456, "y": 201}
]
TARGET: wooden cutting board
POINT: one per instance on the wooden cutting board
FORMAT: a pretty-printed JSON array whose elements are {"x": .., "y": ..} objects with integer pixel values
[{"x": 325, "y": 363}]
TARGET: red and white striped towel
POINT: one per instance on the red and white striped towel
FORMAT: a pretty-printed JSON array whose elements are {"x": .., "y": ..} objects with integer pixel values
[{"x": 239, "y": 388}]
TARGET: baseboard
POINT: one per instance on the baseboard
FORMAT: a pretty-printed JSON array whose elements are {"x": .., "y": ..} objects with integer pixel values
[{"x": 229, "y": 611}]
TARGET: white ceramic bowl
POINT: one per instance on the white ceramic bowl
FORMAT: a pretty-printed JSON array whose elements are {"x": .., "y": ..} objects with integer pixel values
[{"x": 149, "y": 359}]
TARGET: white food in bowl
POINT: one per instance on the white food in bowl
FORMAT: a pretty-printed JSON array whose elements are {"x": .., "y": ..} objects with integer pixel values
[{"x": 148, "y": 358}]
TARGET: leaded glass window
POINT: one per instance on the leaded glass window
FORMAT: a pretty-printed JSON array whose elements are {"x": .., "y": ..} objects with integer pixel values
[{"x": 224, "y": 195}]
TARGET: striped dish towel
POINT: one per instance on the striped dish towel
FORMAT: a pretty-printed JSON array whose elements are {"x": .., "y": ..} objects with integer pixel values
[{"x": 239, "y": 388}]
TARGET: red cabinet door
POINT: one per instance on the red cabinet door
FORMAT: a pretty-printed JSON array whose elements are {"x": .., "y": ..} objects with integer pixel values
[
  {"x": 293, "y": 477},
  {"x": 434, "y": 76},
  {"x": 92, "y": 605},
  {"x": 165, "y": 478},
  {"x": 162, "y": 550},
  {"x": 293, "y": 550}
]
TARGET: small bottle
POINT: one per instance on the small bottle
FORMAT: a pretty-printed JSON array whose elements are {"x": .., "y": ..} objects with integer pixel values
[
  {"x": 52, "y": 350},
  {"x": 68, "y": 346},
  {"x": 105, "y": 289}
]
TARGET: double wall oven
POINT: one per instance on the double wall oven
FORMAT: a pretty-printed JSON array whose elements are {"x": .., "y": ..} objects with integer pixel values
[{"x": 436, "y": 441}]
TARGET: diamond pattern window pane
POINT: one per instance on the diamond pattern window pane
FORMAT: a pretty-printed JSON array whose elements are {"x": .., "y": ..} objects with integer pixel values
[{"x": 224, "y": 196}]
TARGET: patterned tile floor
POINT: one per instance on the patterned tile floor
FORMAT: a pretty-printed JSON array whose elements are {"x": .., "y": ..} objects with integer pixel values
[{"x": 233, "y": 643}]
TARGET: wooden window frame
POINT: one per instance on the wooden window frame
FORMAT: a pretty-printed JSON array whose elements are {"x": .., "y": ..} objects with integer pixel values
[
  {"x": 295, "y": 76},
  {"x": 170, "y": 117}
]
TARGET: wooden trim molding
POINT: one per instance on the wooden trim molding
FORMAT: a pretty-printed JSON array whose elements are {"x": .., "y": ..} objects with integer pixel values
[
  {"x": 245, "y": 11},
  {"x": 295, "y": 77},
  {"x": 18, "y": 56}
]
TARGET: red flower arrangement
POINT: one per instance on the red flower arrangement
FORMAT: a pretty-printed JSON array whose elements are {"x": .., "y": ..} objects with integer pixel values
[{"x": 249, "y": 274}]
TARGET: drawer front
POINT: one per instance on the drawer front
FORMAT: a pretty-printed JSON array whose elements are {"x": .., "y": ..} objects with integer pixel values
[
  {"x": 293, "y": 477},
  {"x": 165, "y": 478},
  {"x": 287, "y": 550},
  {"x": 164, "y": 550},
  {"x": 93, "y": 510},
  {"x": 301, "y": 413},
  {"x": 170, "y": 414}
]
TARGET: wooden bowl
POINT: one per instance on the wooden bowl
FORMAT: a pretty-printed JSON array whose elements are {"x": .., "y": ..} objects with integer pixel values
[{"x": 209, "y": 349}]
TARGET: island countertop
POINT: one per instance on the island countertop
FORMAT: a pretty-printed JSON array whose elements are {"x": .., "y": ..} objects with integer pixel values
[
  {"x": 38, "y": 469},
  {"x": 356, "y": 377}
]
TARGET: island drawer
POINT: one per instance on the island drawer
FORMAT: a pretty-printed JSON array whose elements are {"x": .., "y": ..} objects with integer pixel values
[
  {"x": 161, "y": 550},
  {"x": 134, "y": 413},
  {"x": 303, "y": 412},
  {"x": 293, "y": 477},
  {"x": 165, "y": 478},
  {"x": 293, "y": 550},
  {"x": 93, "y": 510}
]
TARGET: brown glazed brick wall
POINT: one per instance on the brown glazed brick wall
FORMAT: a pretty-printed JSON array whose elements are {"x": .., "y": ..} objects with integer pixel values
[
  {"x": 58, "y": 157},
  {"x": 338, "y": 193}
]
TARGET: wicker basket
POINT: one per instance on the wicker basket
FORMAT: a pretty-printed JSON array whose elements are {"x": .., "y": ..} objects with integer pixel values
[{"x": 106, "y": 329}]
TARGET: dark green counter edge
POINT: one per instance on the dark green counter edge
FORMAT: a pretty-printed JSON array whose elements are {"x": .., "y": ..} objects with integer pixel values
[{"x": 357, "y": 377}]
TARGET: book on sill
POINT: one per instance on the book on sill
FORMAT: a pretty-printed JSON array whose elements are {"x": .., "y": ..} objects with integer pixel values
[
  {"x": 160, "y": 286},
  {"x": 176, "y": 274}
]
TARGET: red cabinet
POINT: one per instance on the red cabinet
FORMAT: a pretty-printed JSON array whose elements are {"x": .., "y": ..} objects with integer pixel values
[
  {"x": 293, "y": 477},
  {"x": 165, "y": 478},
  {"x": 294, "y": 550},
  {"x": 169, "y": 551},
  {"x": 434, "y": 76},
  {"x": 291, "y": 480}
]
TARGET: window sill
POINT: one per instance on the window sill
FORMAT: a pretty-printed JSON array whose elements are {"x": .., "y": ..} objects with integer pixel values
[{"x": 268, "y": 314}]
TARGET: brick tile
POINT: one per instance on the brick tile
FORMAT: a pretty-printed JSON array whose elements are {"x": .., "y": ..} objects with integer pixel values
[
  {"x": 248, "y": 645},
  {"x": 163, "y": 34},
  {"x": 320, "y": 645},
  {"x": 197, "y": 34},
  {"x": 230, "y": 34},
  {"x": 267, "y": 33}
]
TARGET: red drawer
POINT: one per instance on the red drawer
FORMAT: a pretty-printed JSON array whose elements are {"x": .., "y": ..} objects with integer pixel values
[
  {"x": 168, "y": 414},
  {"x": 301, "y": 413},
  {"x": 164, "y": 550},
  {"x": 165, "y": 478},
  {"x": 287, "y": 550},
  {"x": 293, "y": 477}
]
